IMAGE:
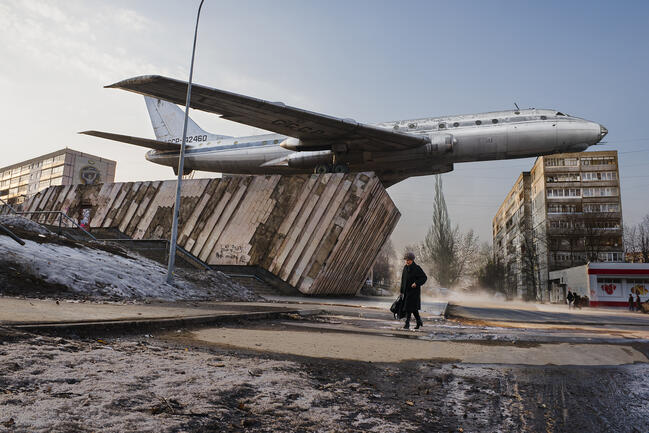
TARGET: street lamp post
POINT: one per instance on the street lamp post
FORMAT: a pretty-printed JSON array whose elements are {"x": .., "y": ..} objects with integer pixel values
[{"x": 181, "y": 162}]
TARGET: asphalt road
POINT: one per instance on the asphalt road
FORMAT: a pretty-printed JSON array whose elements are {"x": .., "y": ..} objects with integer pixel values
[{"x": 547, "y": 314}]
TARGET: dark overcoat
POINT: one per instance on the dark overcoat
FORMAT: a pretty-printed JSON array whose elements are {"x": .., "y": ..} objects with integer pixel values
[{"x": 412, "y": 295}]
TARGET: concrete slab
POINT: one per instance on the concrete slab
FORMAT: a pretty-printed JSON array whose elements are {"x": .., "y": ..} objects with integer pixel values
[
  {"x": 14, "y": 311},
  {"x": 375, "y": 348}
]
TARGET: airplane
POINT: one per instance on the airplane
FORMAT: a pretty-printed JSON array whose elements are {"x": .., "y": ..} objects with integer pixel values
[{"x": 308, "y": 142}]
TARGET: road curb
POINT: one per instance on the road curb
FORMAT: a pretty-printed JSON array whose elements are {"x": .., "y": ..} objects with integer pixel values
[{"x": 129, "y": 326}]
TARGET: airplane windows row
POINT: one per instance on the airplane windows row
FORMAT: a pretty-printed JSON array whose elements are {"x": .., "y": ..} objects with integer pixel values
[{"x": 493, "y": 121}]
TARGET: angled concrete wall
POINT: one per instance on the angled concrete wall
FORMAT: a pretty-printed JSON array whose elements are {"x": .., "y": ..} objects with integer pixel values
[{"x": 319, "y": 233}]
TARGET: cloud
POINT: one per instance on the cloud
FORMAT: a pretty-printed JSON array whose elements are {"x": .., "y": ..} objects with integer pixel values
[{"x": 73, "y": 37}]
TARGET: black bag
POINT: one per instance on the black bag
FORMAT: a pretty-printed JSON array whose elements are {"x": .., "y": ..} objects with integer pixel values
[{"x": 397, "y": 308}]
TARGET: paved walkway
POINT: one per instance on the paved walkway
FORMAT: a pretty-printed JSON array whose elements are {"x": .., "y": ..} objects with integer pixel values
[
  {"x": 375, "y": 302},
  {"x": 15, "y": 311},
  {"x": 29, "y": 312}
]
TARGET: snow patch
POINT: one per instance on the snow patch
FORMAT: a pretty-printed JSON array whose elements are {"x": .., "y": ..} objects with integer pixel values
[{"x": 97, "y": 274}]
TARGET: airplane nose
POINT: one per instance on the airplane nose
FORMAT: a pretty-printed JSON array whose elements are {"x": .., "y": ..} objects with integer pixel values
[{"x": 602, "y": 131}]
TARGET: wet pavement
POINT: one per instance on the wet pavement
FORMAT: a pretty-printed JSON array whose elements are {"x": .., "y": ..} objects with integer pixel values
[{"x": 349, "y": 369}]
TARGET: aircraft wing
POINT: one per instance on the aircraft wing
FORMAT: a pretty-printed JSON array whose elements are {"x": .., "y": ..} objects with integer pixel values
[
  {"x": 138, "y": 141},
  {"x": 316, "y": 131}
]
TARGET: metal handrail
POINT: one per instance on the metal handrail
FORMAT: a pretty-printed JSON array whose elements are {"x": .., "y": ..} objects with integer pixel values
[
  {"x": 61, "y": 216},
  {"x": 186, "y": 254},
  {"x": 9, "y": 206},
  {"x": 11, "y": 234}
]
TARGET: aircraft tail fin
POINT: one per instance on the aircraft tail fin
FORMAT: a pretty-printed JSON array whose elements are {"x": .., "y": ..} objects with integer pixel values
[{"x": 167, "y": 120}]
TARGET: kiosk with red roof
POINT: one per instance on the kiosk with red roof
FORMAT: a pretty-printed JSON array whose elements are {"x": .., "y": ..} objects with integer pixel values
[{"x": 606, "y": 284}]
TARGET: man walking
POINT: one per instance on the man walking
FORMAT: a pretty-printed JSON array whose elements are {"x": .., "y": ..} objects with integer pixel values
[
  {"x": 570, "y": 298},
  {"x": 631, "y": 301},
  {"x": 412, "y": 278}
]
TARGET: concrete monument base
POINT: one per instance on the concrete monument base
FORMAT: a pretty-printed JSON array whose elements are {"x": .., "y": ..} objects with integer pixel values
[{"x": 318, "y": 233}]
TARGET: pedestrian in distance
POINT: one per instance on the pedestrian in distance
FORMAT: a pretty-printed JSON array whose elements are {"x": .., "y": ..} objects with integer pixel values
[
  {"x": 576, "y": 303},
  {"x": 570, "y": 298},
  {"x": 412, "y": 278},
  {"x": 630, "y": 301},
  {"x": 638, "y": 304}
]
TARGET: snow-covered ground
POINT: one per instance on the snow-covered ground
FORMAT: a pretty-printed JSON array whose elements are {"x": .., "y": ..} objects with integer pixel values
[
  {"x": 92, "y": 271},
  {"x": 144, "y": 385}
]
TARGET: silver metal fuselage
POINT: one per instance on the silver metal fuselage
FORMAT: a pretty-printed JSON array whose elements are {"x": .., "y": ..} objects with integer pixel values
[{"x": 453, "y": 139}]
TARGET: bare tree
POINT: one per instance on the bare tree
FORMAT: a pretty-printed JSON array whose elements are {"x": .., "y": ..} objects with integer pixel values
[
  {"x": 532, "y": 245},
  {"x": 636, "y": 241},
  {"x": 383, "y": 270},
  {"x": 489, "y": 272},
  {"x": 448, "y": 251}
]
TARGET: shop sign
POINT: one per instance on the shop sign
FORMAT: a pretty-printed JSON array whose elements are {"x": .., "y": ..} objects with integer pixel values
[
  {"x": 609, "y": 288},
  {"x": 639, "y": 289}
]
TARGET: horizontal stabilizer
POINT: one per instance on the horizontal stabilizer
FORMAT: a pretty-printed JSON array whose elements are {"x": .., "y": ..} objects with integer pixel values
[{"x": 138, "y": 141}]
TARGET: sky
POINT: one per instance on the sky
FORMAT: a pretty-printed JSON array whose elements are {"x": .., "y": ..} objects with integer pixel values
[{"x": 372, "y": 60}]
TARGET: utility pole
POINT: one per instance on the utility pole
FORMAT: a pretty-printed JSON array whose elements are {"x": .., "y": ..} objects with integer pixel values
[{"x": 181, "y": 162}]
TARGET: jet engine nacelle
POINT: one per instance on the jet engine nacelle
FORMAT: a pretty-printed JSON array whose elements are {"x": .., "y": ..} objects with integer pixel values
[
  {"x": 440, "y": 143},
  {"x": 310, "y": 159}
]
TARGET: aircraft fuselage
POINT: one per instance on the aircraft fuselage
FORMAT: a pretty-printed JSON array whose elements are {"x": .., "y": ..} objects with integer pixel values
[{"x": 452, "y": 139}]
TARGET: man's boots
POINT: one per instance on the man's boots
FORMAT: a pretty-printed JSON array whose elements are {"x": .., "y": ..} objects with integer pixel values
[
  {"x": 407, "y": 325},
  {"x": 419, "y": 324}
]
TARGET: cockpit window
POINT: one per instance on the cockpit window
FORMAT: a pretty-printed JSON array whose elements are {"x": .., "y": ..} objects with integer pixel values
[{"x": 559, "y": 113}]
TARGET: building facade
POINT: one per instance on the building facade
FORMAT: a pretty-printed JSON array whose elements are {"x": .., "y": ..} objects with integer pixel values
[
  {"x": 63, "y": 167},
  {"x": 511, "y": 227},
  {"x": 574, "y": 216}
]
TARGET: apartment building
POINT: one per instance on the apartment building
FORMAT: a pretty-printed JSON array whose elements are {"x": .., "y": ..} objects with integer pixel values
[
  {"x": 510, "y": 238},
  {"x": 574, "y": 217},
  {"x": 63, "y": 167}
]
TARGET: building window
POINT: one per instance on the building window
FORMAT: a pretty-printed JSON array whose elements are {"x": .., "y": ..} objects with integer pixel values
[
  {"x": 610, "y": 257},
  {"x": 598, "y": 160},
  {"x": 599, "y": 175},
  {"x": 601, "y": 207},
  {"x": 600, "y": 192},
  {"x": 561, "y": 162},
  {"x": 564, "y": 193}
]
